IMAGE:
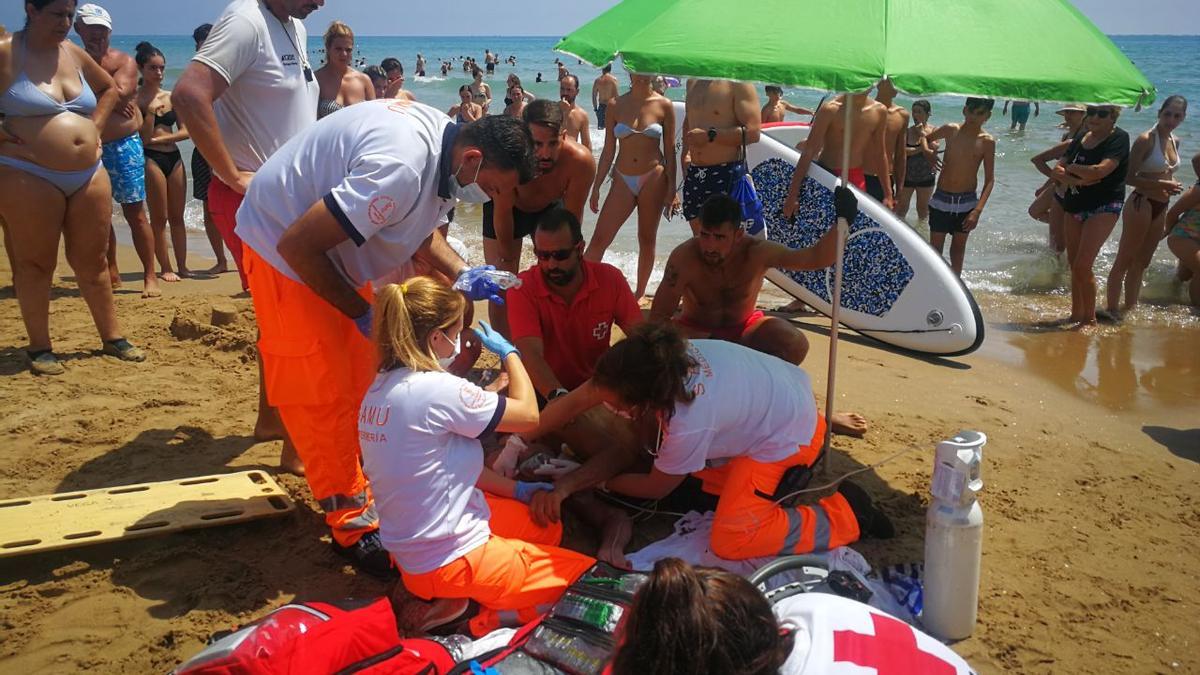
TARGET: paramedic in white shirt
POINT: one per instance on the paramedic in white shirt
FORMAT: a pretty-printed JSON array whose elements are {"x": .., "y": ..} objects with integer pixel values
[
  {"x": 419, "y": 428},
  {"x": 348, "y": 201}
]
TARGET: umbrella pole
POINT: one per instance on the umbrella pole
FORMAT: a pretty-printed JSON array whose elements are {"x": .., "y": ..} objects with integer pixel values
[{"x": 843, "y": 230}]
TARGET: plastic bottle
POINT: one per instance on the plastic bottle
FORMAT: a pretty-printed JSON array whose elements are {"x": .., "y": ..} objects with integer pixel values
[
  {"x": 954, "y": 538},
  {"x": 504, "y": 279}
]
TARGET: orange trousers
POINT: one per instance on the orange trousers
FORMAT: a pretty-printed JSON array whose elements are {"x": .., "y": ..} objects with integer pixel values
[
  {"x": 515, "y": 576},
  {"x": 316, "y": 369},
  {"x": 747, "y": 525}
]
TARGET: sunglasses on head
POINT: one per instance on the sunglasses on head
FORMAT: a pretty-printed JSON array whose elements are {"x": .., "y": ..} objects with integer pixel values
[
  {"x": 559, "y": 255},
  {"x": 1102, "y": 113}
]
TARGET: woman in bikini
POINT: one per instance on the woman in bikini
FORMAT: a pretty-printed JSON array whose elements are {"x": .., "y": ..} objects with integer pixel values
[
  {"x": 466, "y": 110},
  {"x": 55, "y": 100},
  {"x": 642, "y": 123},
  {"x": 481, "y": 92},
  {"x": 1093, "y": 169},
  {"x": 919, "y": 176},
  {"x": 340, "y": 84},
  {"x": 166, "y": 178},
  {"x": 1156, "y": 156}
]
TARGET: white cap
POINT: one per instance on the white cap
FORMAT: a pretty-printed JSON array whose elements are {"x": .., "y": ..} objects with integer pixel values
[{"x": 94, "y": 15}]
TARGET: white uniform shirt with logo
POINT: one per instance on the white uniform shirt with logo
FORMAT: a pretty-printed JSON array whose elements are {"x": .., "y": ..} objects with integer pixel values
[
  {"x": 418, "y": 433},
  {"x": 833, "y": 635},
  {"x": 746, "y": 404},
  {"x": 376, "y": 167},
  {"x": 268, "y": 100}
]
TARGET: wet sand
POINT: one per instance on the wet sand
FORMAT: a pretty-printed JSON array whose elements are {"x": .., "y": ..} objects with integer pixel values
[{"x": 1092, "y": 514}]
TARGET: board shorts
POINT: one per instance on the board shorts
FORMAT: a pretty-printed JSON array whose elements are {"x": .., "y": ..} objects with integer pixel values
[
  {"x": 524, "y": 222},
  {"x": 125, "y": 161},
  {"x": 702, "y": 182},
  {"x": 601, "y": 110},
  {"x": 735, "y": 333},
  {"x": 201, "y": 175},
  {"x": 1113, "y": 207},
  {"x": 948, "y": 210}
]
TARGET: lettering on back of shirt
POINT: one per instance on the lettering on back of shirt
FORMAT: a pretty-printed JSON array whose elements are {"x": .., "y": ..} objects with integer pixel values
[{"x": 374, "y": 415}]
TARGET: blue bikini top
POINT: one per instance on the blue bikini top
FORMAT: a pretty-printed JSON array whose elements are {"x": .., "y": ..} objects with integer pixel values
[
  {"x": 24, "y": 99},
  {"x": 623, "y": 130}
]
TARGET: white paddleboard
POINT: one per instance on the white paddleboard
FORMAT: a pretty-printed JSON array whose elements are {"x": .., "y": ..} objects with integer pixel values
[{"x": 895, "y": 288}]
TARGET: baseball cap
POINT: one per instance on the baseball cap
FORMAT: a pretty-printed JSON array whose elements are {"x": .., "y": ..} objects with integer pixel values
[
  {"x": 94, "y": 15},
  {"x": 1070, "y": 107}
]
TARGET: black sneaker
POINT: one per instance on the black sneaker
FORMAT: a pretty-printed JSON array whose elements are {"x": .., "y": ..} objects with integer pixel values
[
  {"x": 368, "y": 555},
  {"x": 871, "y": 521}
]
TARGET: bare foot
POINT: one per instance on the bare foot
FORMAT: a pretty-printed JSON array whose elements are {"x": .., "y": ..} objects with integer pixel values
[
  {"x": 499, "y": 384},
  {"x": 268, "y": 427},
  {"x": 169, "y": 277},
  {"x": 219, "y": 268},
  {"x": 185, "y": 273},
  {"x": 616, "y": 533},
  {"x": 289, "y": 461},
  {"x": 795, "y": 307},
  {"x": 848, "y": 424},
  {"x": 1084, "y": 326},
  {"x": 151, "y": 291}
]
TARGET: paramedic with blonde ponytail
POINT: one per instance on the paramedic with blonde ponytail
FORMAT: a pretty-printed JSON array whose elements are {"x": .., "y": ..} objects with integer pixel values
[
  {"x": 419, "y": 428},
  {"x": 738, "y": 420}
]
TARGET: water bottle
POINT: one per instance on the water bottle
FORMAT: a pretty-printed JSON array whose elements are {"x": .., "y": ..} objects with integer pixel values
[{"x": 954, "y": 538}]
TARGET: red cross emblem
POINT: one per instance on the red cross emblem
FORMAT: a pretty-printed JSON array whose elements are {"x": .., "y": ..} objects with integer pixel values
[
  {"x": 892, "y": 650},
  {"x": 600, "y": 330}
]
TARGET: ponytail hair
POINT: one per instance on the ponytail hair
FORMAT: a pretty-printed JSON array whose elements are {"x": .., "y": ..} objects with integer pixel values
[
  {"x": 700, "y": 620},
  {"x": 1173, "y": 98},
  {"x": 648, "y": 368},
  {"x": 336, "y": 30},
  {"x": 405, "y": 316},
  {"x": 142, "y": 55}
]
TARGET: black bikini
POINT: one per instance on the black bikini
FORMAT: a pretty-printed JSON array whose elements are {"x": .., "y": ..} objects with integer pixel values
[{"x": 166, "y": 160}]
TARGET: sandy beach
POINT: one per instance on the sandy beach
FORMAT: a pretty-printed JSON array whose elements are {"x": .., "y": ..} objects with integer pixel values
[{"x": 1092, "y": 513}]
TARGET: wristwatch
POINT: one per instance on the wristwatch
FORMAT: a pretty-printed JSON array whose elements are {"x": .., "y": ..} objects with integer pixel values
[
  {"x": 712, "y": 134},
  {"x": 556, "y": 393}
]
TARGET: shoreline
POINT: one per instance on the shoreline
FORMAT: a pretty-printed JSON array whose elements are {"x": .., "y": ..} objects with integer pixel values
[{"x": 1091, "y": 513}]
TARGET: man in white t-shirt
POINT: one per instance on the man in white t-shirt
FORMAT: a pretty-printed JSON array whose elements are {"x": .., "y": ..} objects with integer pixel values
[
  {"x": 248, "y": 89},
  {"x": 345, "y": 203}
]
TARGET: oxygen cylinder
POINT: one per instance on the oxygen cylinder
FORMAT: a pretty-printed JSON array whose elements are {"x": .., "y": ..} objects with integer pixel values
[{"x": 954, "y": 538}]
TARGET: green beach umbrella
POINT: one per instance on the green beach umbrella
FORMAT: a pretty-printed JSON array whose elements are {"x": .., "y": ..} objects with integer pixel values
[{"x": 1043, "y": 50}]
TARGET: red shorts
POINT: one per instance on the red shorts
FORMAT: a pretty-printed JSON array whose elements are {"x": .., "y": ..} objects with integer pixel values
[
  {"x": 223, "y": 204},
  {"x": 858, "y": 178},
  {"x": 735, "y": 333}
]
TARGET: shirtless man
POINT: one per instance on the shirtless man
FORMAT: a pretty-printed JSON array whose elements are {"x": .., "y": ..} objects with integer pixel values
[
  {"x": 122, "y": 146},
  {"x": 824, "y": 145},
  {"x": 955, "y": 206},
  {"x": 721, "y": 116},
  {"x": 893, "y": 141},
  {"x": 565, "y": 173},
  {"x": 575, "y": 119},
  {"x": 604, "y": 90},
  {"x": 718, "y": 274},
  {"x": 776, "y": 107}
]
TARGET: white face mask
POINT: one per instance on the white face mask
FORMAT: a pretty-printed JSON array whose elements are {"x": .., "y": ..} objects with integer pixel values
[
  {"x": 445, "y": 362},
  {"x": 470, "y": 193}
]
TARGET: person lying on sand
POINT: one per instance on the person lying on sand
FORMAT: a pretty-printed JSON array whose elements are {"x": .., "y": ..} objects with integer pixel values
[{"x": 718, "y": 274}]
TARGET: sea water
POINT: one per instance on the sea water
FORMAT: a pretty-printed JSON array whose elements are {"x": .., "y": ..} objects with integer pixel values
[{"x": 1007, "y": 256}]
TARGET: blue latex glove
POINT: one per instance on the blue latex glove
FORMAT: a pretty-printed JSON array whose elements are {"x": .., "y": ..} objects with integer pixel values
[
  {"x": 363, "y": 323},
  {"x": 524, "y": 492},
  {"x": 475, "y": 283},
  {"x": 495, "y": 342}
]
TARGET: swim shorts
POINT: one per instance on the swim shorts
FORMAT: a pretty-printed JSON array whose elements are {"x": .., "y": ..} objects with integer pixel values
[
  {"x": 1020, "y": 113},
  {"x": 948, "y": 210},
  {"x": 201, "y": 175},
  {"x": 735, "y": 333},
  {"x": 126, "y": 165},
  {"x": 600, "y": 111},
  {"x": 857, "y": 177},
  {"x": 524, "y": 222},
  {"x": 874, "y": 187},
  {"x": 1113, "y": 207},
  {"x": 702, "y": 182}
]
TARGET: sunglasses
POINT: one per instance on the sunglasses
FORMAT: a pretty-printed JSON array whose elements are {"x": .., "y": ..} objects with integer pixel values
[
  {"x": 1102, "y": 113},
  {"x": 559, "y": 255}
]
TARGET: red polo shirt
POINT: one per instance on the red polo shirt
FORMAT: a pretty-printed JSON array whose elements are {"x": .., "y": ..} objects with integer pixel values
[{"x": 573, "y": 337}]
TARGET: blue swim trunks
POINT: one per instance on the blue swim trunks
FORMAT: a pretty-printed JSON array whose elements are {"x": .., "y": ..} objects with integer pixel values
[
  {"x": 1020, "y": 112},
  {"x": 126, "y": 166}
]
